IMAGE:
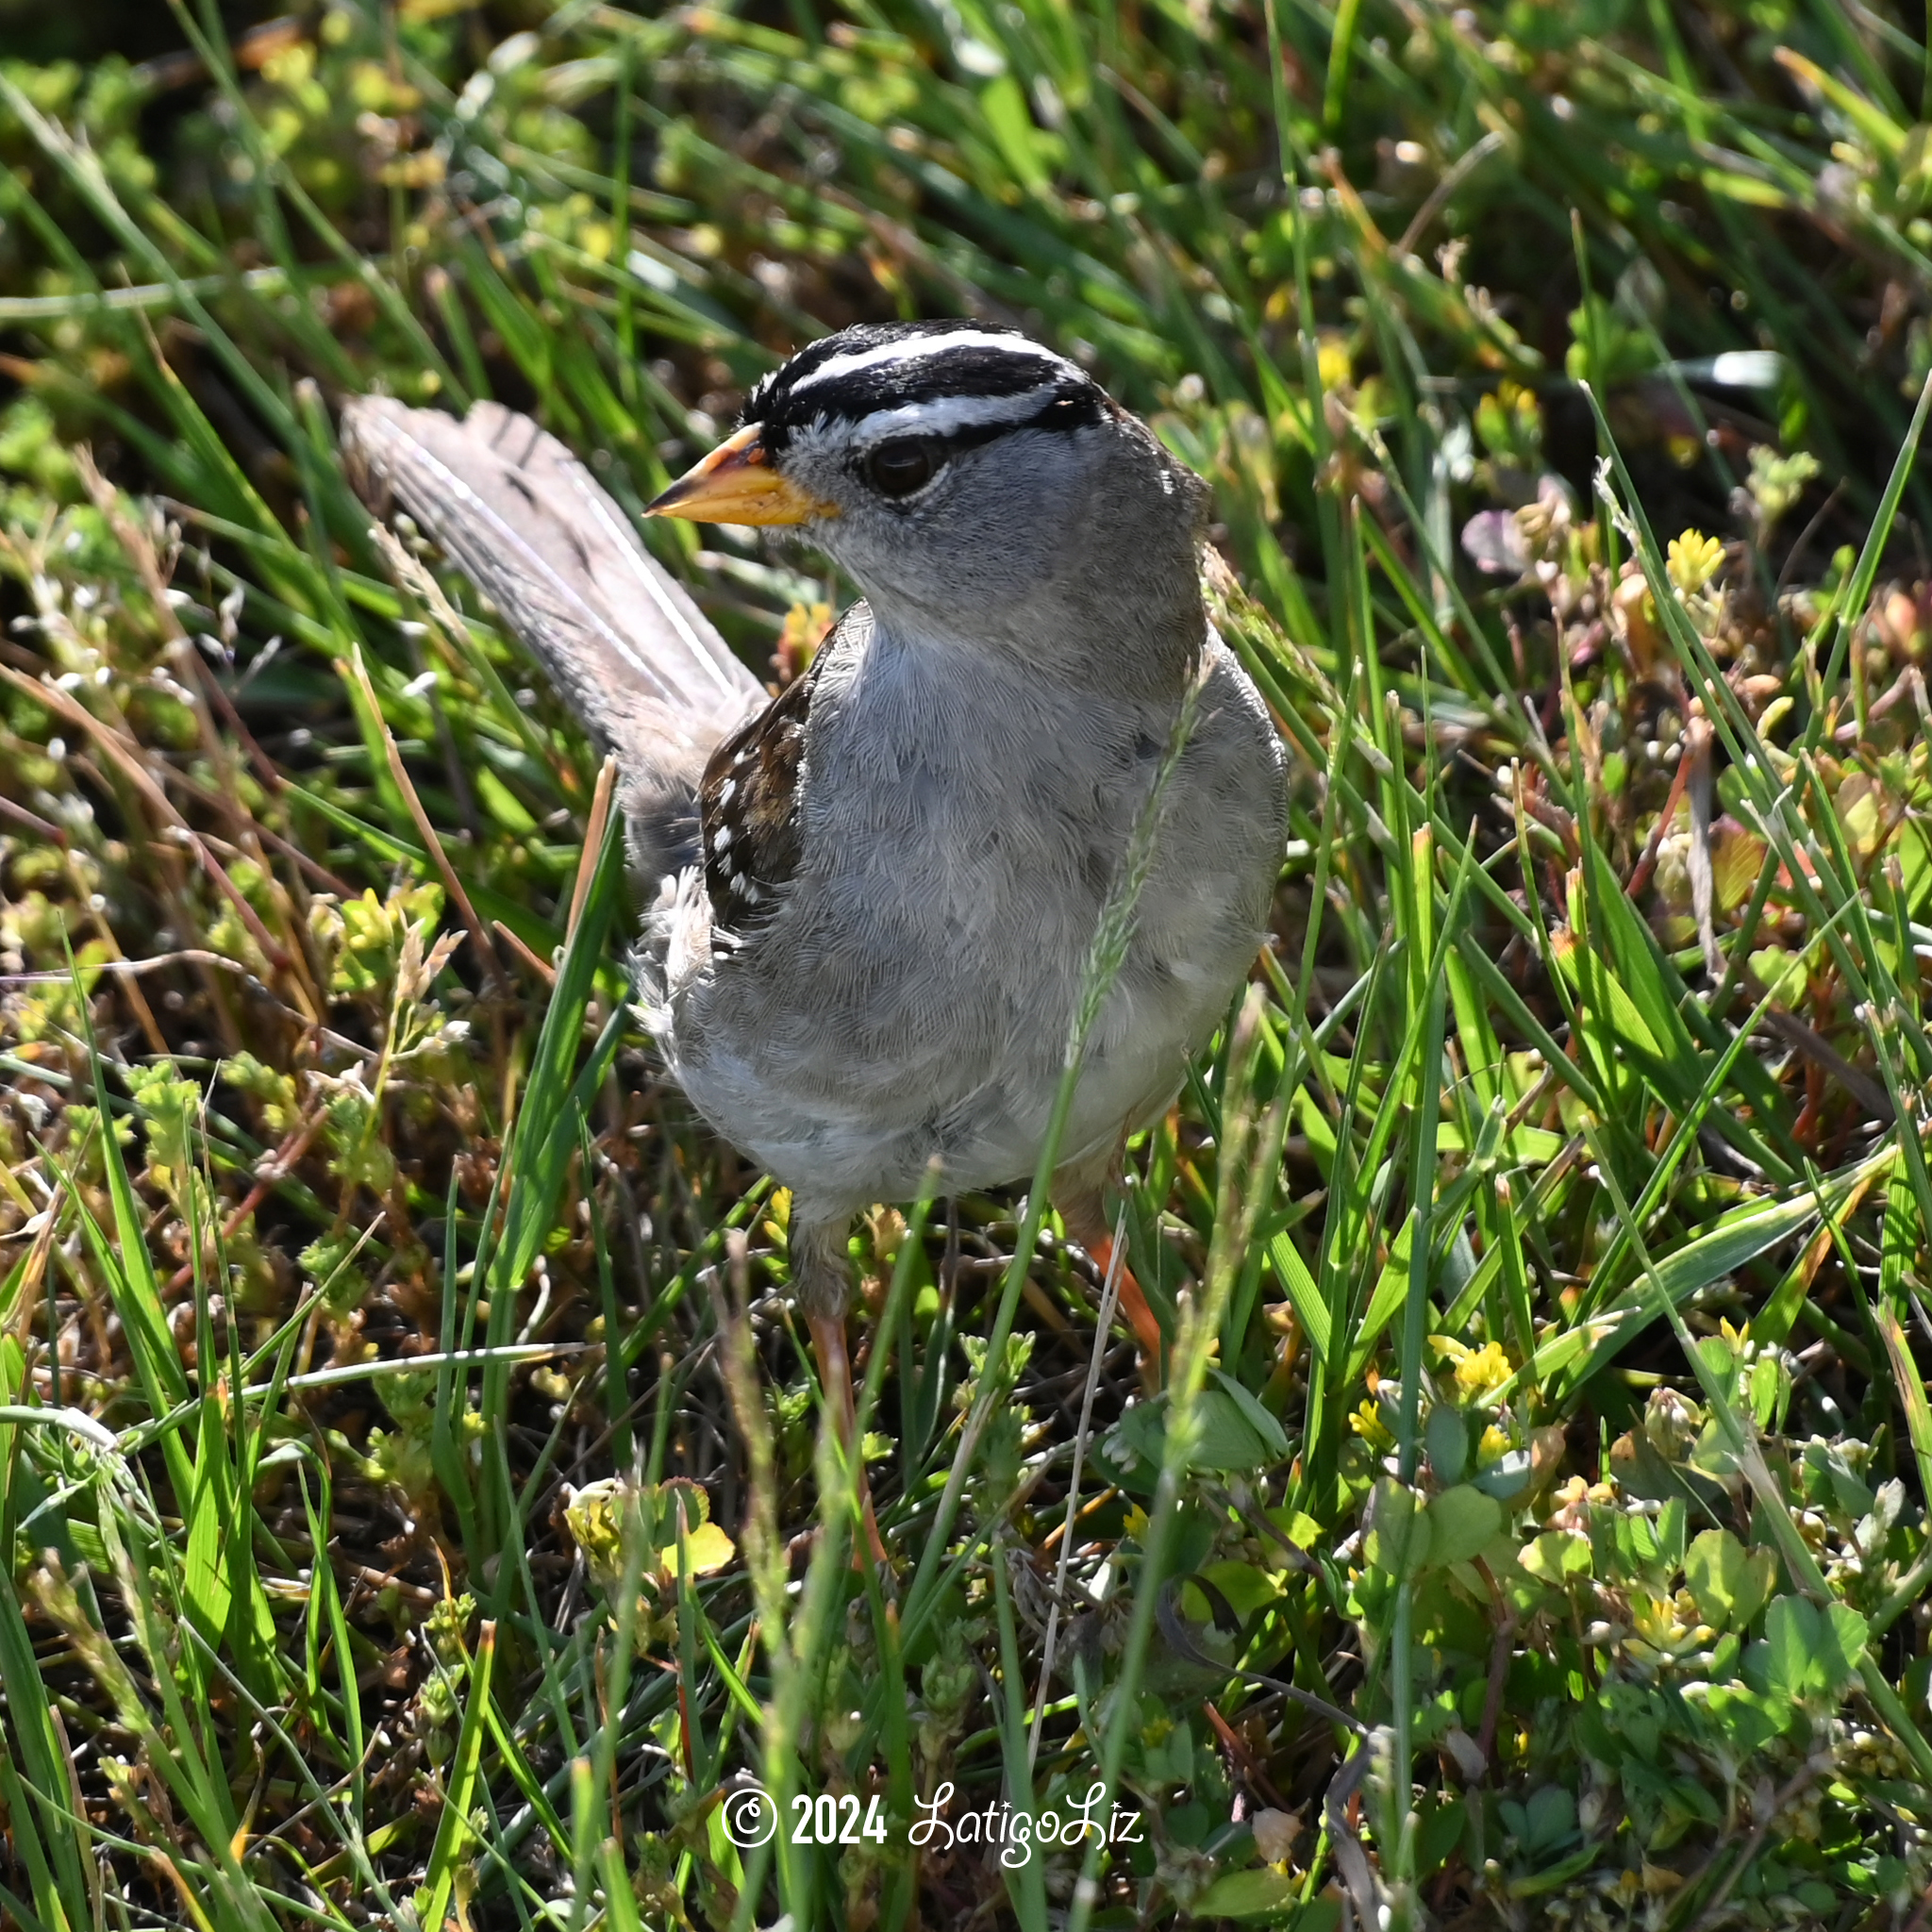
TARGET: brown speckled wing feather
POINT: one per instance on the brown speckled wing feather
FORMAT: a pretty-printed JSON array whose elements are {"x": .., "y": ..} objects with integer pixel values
[{"x": 749, "y": 810}]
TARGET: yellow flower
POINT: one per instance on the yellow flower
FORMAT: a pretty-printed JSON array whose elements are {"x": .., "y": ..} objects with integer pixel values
[
  {"x": 1367, "y": 1423},
  {"x": 1333, "y": 360},
  {"x": 1482, "y": 1369},
  {"x": 1695, "y": 560}
]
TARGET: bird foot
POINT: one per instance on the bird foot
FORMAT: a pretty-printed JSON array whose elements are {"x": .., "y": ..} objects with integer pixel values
[
  {"x": 1135, "y": 1306},
  {"x": 834, "y": 1374}
]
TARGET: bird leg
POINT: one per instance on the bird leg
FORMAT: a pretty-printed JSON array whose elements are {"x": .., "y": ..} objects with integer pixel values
[
  {"x": 821, "y": 1278},
  {"x": 1084, "y": 1214}
]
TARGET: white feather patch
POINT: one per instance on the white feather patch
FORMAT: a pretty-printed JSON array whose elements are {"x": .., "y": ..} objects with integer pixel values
[
  {"x": 945, "y": 415},
  {"x": 918, "y": 348}
]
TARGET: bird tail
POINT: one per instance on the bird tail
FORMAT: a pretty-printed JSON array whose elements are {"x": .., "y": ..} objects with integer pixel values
[{"x": 625, "y": 647}]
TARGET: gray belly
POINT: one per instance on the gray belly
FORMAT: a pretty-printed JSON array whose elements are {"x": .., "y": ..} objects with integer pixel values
[{"x": 910, "y": 1003}]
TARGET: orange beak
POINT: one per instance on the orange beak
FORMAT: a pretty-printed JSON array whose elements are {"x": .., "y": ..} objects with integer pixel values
[{"x": 737, "y": 484}]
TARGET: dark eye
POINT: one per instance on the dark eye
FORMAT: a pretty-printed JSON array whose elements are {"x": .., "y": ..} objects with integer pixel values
[{"x": 899, "y": 468}]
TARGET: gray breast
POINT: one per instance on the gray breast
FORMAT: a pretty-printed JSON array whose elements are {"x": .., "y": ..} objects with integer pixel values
[{"x": 957, "y": 836}]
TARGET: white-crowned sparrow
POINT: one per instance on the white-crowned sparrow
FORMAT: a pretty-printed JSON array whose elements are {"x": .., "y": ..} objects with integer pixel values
[{"x": 878, "y": 888}]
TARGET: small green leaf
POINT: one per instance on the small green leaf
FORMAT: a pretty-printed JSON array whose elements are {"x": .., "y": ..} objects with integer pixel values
[
  {"x": 1791, "y": 1631},
  {"x": 1297, "y": 1525},
  {"x": 1226, "y": 1436},
  {"x": 1551, "y": 1816},
  {"x": 1579, "y": 1860},
  {"x": 1258, "y": 1418},
  {"x": 1399, "y": 1543},
  {"x": 1461, "y": 1523},
  {"x": 1671, "y": 1521},
  {"x": 1446, "y": 1435},
  {"x": 1556, "y": 1556},
  {"x": 1253, "y": 1894},
  {"x": 1842, "y": 1646},
  {"x": 1748, "y": 1721},
  {"x": 1508, "y": 1477},
  {"x": 1729, "y": 1582},
  {"x": 1246, "y": 1586}
]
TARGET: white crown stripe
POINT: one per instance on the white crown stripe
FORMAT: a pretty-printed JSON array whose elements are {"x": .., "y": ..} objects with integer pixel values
[
  {"x": 947, "y": 415},
  {"x": 918, "y": 348}
]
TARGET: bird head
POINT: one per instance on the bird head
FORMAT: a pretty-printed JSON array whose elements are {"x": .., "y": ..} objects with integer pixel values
[{"x": 974, "y": 484}]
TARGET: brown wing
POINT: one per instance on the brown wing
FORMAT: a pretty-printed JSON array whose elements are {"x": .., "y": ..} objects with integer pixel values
[{"x": 749, "y": 810}]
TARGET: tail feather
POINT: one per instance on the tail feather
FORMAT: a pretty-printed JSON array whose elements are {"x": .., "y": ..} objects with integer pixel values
[{"x": 626, "y": 648}]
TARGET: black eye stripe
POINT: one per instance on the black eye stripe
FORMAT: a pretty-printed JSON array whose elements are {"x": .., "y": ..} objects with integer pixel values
[{"x": 1062, "y": 414}]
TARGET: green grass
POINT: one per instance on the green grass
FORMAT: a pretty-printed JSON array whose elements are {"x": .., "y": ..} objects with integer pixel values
[{"x": 414, "y": 1482}]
